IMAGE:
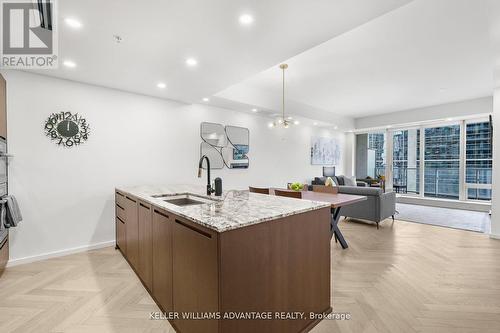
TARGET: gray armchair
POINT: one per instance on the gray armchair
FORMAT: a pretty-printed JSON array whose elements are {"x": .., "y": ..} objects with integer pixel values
[{"x": 376, "y": 208}]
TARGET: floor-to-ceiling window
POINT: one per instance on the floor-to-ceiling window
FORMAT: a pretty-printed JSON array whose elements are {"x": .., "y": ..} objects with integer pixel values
[
  {"x": 406, "y": 161},
  {"x": 442, "y": 162},
  {"x": 376, "y": 144},
  {"x": 478, "y": 161}
]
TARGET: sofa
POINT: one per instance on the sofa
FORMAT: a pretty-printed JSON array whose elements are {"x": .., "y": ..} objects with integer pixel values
[
  {"x": 376, "y": 208},
  {"x": 339, "y": 180}
]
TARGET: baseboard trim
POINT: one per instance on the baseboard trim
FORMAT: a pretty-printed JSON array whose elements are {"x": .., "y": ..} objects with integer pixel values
[
  {"x": 494, "y": 236},
  {"x": 61, "y": 253}
]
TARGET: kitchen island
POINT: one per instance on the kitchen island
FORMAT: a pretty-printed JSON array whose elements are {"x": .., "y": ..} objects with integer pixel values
[{"x": 242, "y": 262}]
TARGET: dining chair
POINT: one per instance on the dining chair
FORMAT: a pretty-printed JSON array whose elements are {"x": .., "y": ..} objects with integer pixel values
[
  {"x": 325, "y": 189},
  {"x": 258, "y": 190},
  {"x": 288, "y": 193}
]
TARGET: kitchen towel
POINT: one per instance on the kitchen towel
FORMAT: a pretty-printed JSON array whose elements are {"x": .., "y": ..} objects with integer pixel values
[{"x": 13, "y": 212}]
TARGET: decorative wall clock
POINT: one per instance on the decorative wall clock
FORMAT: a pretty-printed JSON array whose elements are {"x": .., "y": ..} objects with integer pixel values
[{"x": 67, "y": 129}]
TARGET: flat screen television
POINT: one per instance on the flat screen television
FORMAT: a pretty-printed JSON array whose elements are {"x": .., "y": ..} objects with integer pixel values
[{"x": 328, "y": 171}]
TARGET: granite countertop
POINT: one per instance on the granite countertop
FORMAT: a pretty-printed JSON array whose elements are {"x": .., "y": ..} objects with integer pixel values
[{"x": 233, "y": 210}]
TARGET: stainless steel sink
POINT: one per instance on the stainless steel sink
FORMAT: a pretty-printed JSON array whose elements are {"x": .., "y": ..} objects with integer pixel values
[{"x": 184, "y": 199}]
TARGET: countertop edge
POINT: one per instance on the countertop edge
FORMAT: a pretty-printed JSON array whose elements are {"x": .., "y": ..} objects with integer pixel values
[{"x": 147, "y": 199}]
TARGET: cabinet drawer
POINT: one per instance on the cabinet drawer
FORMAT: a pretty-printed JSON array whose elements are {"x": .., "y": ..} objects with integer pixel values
[
  {"x": 4, "y": 254},
  {"x": 120, "y": 235},
  {"x": 120, "y": 199},
  {"x": 120, "y": 212}
]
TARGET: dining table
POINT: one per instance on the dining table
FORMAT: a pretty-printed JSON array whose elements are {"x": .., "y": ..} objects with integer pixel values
[{"x": 337, "y": 201}]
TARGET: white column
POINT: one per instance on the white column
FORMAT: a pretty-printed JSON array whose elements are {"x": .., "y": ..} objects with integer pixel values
[
  {"x": 495, "y": 199},
  {"x": 494, "y": 12}
]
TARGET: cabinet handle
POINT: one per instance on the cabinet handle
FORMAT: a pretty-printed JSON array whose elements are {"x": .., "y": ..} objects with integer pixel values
[
  {"x": 162, "y": 214},
  {"x": 142, "y": 205},
  {"x": 131, "y": 199},
  {"x": 119, "y": 219},
  {"x": 201, "y": 232},
  {"x": 121, "y": 195},
  {"x": 120, "y": 206},
  {"x": 1, "y": 247}
]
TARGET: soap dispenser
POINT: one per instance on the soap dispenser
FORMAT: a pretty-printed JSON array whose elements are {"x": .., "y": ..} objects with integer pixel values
[{"x": 218, "y": 186}]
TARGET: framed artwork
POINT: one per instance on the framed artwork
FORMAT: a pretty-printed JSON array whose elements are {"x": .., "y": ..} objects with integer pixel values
[{"x": 325, "y": 151}]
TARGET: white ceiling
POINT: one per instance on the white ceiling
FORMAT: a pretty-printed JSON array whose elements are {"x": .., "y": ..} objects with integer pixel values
[
  {"x": 158, "y": 36},
  {"x": 428, "y": 52}
]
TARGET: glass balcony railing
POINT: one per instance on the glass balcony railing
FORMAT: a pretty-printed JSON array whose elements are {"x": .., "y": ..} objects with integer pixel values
[{"x": 442, "y": 182}]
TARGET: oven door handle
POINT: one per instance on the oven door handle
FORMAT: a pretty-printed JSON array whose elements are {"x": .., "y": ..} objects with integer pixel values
[{"x": 6, "y": 155}]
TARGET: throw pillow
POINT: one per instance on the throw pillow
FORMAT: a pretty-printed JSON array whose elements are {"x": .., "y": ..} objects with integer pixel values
[
  {"x": 350, "y": 181},
  {"x": 329, "y": 182}
]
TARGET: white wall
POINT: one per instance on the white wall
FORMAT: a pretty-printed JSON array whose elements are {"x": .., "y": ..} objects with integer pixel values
[
  {"x": 479, "y": 106},
  {"x": 495, "y": 200},
  {"x": 66, "y": 195}
]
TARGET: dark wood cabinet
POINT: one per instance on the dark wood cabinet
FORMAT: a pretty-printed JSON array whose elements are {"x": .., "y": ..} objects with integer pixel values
[
  {"x": 162, "y": 259},
  {"x": 3, "y": 108},
  {"x": 121, "y": 238},
  {"x": 282, "y": 265},
  {"x": 132, "y": 231},
  {"x": 145, "y": 262},
  {"x": 195, "y": 274},
  {"x": 121, "y": 235}
]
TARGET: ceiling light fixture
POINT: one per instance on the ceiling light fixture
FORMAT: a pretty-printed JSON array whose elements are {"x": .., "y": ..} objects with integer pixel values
[
  {"x": 315, "y": 124},
  {"x": 296, "y": 122},
  {"x": 191, "y": 62},
  {"x": 246, "y": 19},
  {"x": 161, "y": 85},
  {"x": 118, "y": 39},
  {"x": 255, "y": 110},
  {"x": 283, "y": 121},
  {"x": 69, "y": 63},
  {"x": 73, "y": 23},
  {"x": 206, "y": 99}
]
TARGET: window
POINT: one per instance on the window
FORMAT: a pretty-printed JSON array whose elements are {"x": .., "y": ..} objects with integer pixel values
[
  {"x": 448, "y": 160},
  {"x": 442, "y": 162},
  {"x": 376, "y": 143},
  {"x": 406, "y": 161},
  {"x": 478, "y": 161}
]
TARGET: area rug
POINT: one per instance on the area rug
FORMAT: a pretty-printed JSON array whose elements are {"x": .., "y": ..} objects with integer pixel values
[{"x": 444, "y": 217}]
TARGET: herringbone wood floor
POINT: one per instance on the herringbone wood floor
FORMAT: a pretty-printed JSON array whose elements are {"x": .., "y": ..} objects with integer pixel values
[{"x": 404, "y": 277}]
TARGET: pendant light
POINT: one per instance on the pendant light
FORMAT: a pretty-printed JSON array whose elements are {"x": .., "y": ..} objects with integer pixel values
[{"x": 283, "y": 121}]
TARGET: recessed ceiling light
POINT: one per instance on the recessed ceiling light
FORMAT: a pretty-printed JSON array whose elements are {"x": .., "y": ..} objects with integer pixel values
[
  {"x": 191, "y": 62},
  {"x": 73, "y": 23},
  {"x": 315, "y": 124},
  {"x": 246, "y": 19},
  {"x": 255, "y": 110},
  {"x": 161, "y": 85},
  {"x": 389, "y": 126},
  {"x": 271, "y": 125},
  {"x": 335, "y": 127},
  {"x": 449, "y": 119},
  {"x": 118, "y": 39},
  {"x": 69, "y": 63},
  {"x": 296, "y": 122},
  {"x": 205, "y": 99}
]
